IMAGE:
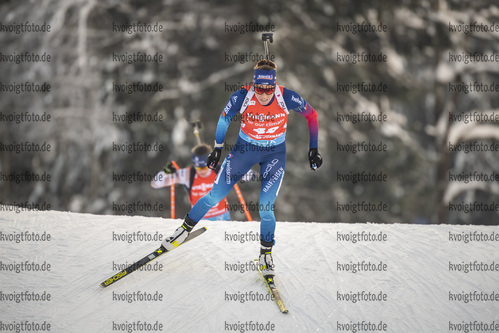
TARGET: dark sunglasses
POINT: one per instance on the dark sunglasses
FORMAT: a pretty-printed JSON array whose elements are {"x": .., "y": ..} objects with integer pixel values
[{"x": 267, "y": 91}]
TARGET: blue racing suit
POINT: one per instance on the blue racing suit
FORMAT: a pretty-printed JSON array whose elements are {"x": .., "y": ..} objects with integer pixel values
[{"x": 261, "y": 140}]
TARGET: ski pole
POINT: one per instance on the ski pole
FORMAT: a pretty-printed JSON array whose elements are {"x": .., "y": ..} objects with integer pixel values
[
  {"x": 172, "y": 192},
  {"x": 172, "y": 197},
  {"x": 243, "y": 203}
]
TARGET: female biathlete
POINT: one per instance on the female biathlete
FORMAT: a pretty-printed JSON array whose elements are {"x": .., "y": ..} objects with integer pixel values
[{"x": 264, "y": 109}]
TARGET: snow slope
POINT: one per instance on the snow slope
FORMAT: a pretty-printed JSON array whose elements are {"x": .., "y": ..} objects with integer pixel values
[{"x": 424, "y": 284}]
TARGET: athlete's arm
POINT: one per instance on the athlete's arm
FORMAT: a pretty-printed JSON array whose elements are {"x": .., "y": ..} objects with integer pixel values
[
  {"x": 230, "y": 110},
  {"x": 162, "y": 179},
  {"x": 296, "y": 103}
]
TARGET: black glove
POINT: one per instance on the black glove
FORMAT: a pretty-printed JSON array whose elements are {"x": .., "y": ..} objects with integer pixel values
[
  {"x": 170, "y": 168},
  {"x": 214, "y": 157},
  {"x": 315, "y": 158}
]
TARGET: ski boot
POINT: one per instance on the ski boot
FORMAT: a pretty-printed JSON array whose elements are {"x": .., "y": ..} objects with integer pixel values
[
  {"x": 266, "y": 263},
  {"x": 179, "y": 235}
]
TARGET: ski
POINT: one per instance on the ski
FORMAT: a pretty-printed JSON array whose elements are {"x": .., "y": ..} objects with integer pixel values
[
  {"x": 269, "y": 281},
  {"x": 148, "y": 258}
]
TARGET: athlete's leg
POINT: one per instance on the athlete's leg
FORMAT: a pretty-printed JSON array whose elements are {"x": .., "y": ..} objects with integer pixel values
[
  {"x": 222, "y": 217},
  {"x": 234, "y": 167},
  {"x": 271, "y": 173}
]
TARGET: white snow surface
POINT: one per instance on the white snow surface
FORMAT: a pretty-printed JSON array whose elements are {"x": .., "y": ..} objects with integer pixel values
[{"x": 195, "y": 284}]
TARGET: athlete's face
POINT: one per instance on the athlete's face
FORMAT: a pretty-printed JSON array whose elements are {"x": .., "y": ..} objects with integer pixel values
[
  {"x": 261, "y": 93},
  {"x": 203, "y": 172}
]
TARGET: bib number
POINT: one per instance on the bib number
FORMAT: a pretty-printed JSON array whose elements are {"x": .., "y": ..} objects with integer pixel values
[{"x": 269, "y": 130}]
